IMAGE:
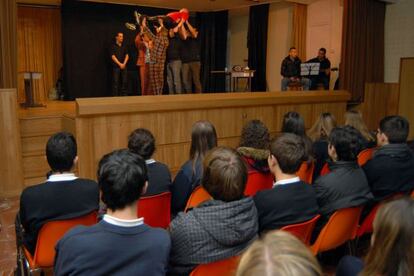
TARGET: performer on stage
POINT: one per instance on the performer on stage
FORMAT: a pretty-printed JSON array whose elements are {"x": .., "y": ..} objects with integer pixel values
[
  {"x": 324, "y": 70},
  {"x": 290, "y": 70},
  {"x": 119, "y": 56},
  {"x": 174, "y": 64},
  {"x": 143, "y": 44},
  {"x": 158, "y": 55},
  {"x": 191, "y": 60}
]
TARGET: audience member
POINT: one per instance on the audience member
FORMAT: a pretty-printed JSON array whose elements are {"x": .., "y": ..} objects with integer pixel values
[
  {"x": 391, "y": 170},
  {"x": 121, "y": 243},
  {"x": 219, "y": 228},
  {"x": 294, "y": 123},
  {"x": 254, "y": 145},
  {"x": 142, "y": 142},
  {"x": 291, "y": 200},
  {"x": 319, "y": 133},
  {"x": 346, "y": 185},
  {"x": 392, "y": 244},
  {"x": 278, "y": 253},
  {"x": 62, "y": 196},
  {"x": 203, "y": 139},
  {"x": 354, "y": 118}
]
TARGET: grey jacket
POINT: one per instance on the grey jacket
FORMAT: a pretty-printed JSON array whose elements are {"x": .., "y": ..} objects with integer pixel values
[
  {"x": 345, "y": 186},
  {"x": 213, "y": 231}
]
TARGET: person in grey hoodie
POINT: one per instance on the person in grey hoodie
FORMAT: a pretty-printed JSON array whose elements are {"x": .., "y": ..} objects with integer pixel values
[{"x": 219, "y": 228}]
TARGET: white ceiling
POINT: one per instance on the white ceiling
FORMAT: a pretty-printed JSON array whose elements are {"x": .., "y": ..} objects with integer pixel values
[{"x": 192, "y": 5}]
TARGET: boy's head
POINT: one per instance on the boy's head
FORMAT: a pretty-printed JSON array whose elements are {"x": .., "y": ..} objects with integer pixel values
[
  {"x": 61, "y": 152},
  {"x": 287, "y": 154},
  {"x": 344, "y": 143},
  {"x": 393, "y": 130},
  {"x": 224, "y": 174},
  {"x": 122, "y": 178},
  {"x": 142, "y": 142}
]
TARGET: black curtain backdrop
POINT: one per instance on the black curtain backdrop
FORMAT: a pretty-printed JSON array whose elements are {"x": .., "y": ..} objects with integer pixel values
[
  {"x": 213, "y": 39},
  {"x": 257, "y": 45},
  {"x": 88, "y": 31}
]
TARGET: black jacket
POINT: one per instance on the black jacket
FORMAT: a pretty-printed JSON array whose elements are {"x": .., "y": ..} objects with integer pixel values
[
  {"x": 55, "y": 201},
  {"x": 345, "y": 186},
  {"x": 290, "y": 68},
  {"x": 390, "y": 171},
  {"x": 284, "y": 205}
]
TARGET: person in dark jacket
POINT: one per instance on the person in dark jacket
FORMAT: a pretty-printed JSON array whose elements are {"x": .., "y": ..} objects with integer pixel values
[
  {"x": 391, "y": 170},
  {"x": 203, "y": 139},
  {"x": 346, "y": 185},
  {"x": 290, "y": 200},
  {"x": 219, "y": 228},
  {"x": 121, "y": 243},
  {"x": 62, "y": 196},
  {"x": 290, "y": 70},
  {"x": 142, "y": 142}
]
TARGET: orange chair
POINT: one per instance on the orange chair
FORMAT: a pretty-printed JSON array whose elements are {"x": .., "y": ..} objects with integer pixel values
[
  {"x": 223, "y": 267},
  {"x": 198, "y": 196},
  {"x": 47, "y": 238},
  {"x": 306, "y": 171},
  {"x": 257, "y": 181},
  {"x": 341, "y": 227},
  {"x": 412, "y": 194},
  {"x": 325, "y": 170},
  {"x": 156, "y": 209},
  {"x": 365, "y": 155},
  {"x": 302, "y": 230}
]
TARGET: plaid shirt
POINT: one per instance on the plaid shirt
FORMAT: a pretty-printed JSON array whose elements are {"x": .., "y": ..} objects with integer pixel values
[{"x": 158, "y": 52}]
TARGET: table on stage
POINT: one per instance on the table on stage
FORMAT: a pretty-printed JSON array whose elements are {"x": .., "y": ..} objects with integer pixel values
[{"x": 234, "y": 77}]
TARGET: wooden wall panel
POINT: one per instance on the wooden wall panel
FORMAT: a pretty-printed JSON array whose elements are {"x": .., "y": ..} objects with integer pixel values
[
  {"x": 11, "y": 171},
  {"x": 99, "y": 132},
  {"x": 406, "y": 100},
  {"x": 381, "y": 99}
]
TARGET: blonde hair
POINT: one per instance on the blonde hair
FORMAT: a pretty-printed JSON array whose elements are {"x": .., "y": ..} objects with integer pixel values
[
  {"x": 322, "y": 127},
  {"x": 281, "y": 254},
  {"x": 392, "y": 249},
  {"x": 354, "y": 118}
]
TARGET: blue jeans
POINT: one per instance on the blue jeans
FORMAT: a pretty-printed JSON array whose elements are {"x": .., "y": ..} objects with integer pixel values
[
  {"x": 174, "y": 77},
  {"x": 304, "y": 81}
]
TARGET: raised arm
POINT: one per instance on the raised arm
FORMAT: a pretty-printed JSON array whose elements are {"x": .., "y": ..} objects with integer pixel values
[{"x": 192, "y": 30}]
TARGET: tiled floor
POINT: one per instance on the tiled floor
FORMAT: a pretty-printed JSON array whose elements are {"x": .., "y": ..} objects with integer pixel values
[{"x": 8, "y": 210}]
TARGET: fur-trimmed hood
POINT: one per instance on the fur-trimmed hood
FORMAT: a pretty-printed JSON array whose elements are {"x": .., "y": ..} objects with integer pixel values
[{"x": 256, "y": 154}]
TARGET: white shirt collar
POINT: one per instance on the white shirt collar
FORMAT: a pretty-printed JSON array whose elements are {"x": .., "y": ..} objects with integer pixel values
[
  {"x": 286, "y": 181},
  {"x": 123, "y": 222},
  {"x": 62, "y": 177},
  {"x": 149, "y": 161}
]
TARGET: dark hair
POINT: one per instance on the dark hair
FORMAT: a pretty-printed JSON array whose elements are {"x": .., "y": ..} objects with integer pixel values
[
  {"x": 346, "y": 141},
  {"x": 61, "y": 150},
  {"x": 203, "y": 139},
  {"x": 293, "y": 123},
  {"x": 224, "y": 174},
  {"x": 292, "y": 48},
  {"x": 142, "y": 142},
  {"x": 255, "y": 135},
  {"x": 122, "y": 175},
  {"x": 396, "y": 128},
  {"x": 289, "y": 151},
  {"x": 323, "y": 50}
]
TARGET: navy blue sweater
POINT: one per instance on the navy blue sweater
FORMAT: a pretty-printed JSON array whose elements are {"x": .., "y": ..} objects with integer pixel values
[{"x": 106, "y": 249}]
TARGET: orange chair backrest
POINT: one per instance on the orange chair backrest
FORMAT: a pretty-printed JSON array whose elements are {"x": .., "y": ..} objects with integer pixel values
[
  {"x": 224, "y": 267},
  {"x": 412, "y": 194},
  {"x": 305, "y": 171},
  {"x": 302, "y": 230},
  {"x": 258, "y": 181},
  {"x": 199, "y": 195},
  {"x": 156, "y": 209},
  {"x": 367, "y": 224},
  {"x": 365, "y": 155},
  {"x": 325, "y": 170},
  {"x": 341, "y": 227},
  {"x": 49, "y": 235}
]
